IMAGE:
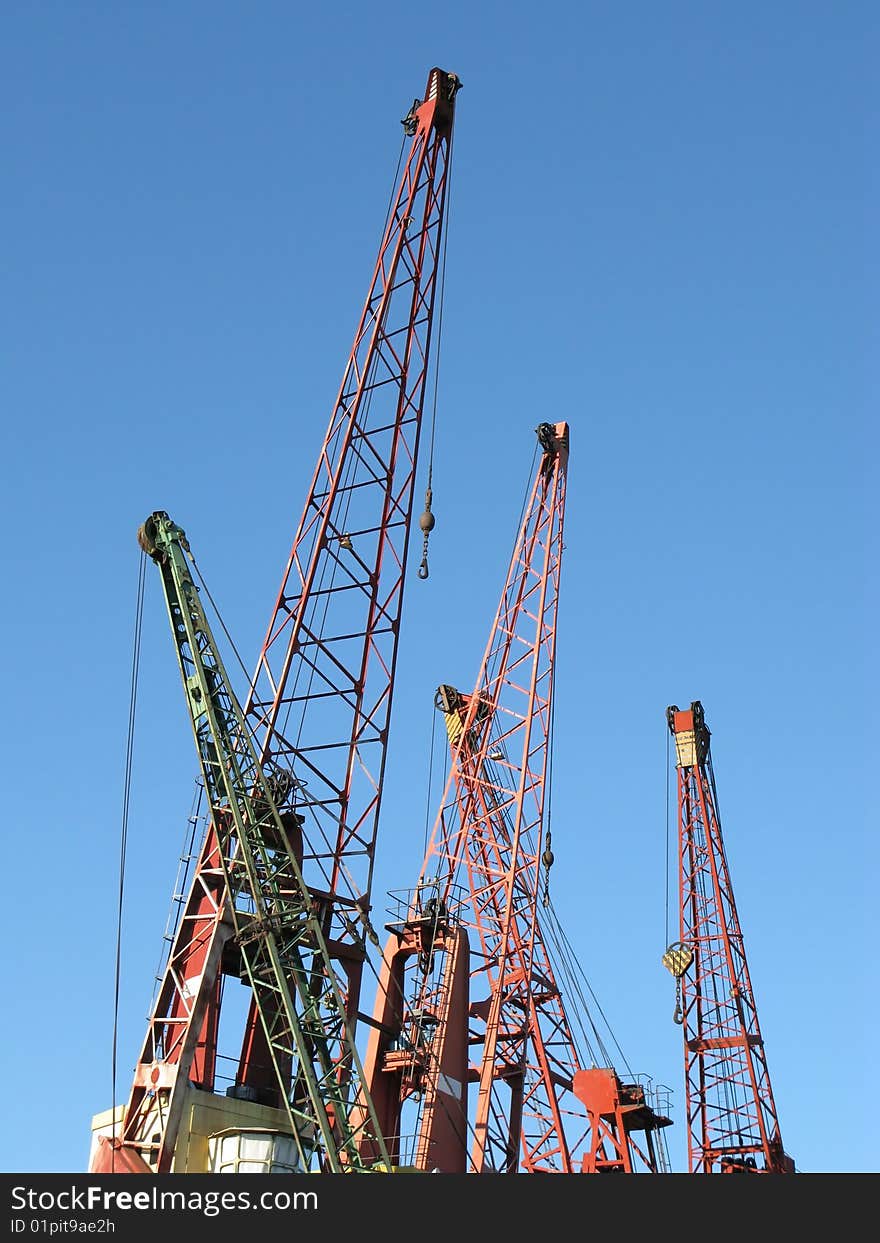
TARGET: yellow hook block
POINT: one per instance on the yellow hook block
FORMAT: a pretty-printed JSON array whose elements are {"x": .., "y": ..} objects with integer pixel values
[{"x": 678, "y": 958}]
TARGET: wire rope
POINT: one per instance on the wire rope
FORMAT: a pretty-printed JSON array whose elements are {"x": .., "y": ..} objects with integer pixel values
[
  {"x": 666, "y": 869},
  {"x": 123, "y": 842}
]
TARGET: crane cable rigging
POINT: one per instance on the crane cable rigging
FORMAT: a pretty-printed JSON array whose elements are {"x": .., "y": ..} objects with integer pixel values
[
  {"x": 678, "y": 956},
  {"x": 123, "y": 836},
  {"x": 571, "y": 972},
  {"x": 427, "y": 520}
]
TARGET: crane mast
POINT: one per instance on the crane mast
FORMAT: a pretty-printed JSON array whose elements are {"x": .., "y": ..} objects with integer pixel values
[
  {"x": 319, "y": 703},
  {"x": 442, "y": 999},
  {"x": 733, "y": 1126}
]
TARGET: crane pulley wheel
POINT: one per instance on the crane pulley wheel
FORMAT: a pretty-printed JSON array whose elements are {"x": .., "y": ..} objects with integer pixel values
[{"x": 678, "y": 958}]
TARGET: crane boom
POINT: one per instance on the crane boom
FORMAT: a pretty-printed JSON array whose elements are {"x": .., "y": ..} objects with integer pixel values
[
  {"x": 451, "y": 1013},
  {"x": 320, "y": 699},
  {"x": 319, "y": 704},
  {"x": 270, "y": 908},
  {"x": 733, "y": 1126}
]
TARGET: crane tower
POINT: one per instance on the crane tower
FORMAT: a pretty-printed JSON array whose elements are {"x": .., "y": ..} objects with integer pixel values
[
  {"x": 732, "y": 1122},
  {"x": 470, "y": 1030}
]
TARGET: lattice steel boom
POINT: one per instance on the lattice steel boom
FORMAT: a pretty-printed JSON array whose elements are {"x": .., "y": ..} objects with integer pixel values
[
  {"x": 451, "y": 1013},
  {"x": 274, "y": 920},
  {"x": 319, "y": 703},
  {"x": 732, "y": 1120}
]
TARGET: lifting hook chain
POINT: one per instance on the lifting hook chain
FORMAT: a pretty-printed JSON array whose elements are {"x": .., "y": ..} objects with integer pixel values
[
  {"x": 426, "y": 524},
  {"x": 677, "y": 959},
  {"x": 547, "y": 859}
]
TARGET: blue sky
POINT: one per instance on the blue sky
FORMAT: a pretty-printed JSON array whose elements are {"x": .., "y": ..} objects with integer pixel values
[{"x": 662, "y": 229}]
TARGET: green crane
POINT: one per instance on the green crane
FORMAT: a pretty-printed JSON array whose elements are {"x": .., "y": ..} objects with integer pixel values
[{"x": 276, "y": 920}]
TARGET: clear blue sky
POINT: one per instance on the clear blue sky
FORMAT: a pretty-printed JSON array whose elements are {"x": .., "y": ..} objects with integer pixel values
[{"x": 662, "y": 229}]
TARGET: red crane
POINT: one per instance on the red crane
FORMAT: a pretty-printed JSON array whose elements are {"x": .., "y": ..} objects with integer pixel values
[
  {"x": 733, "y": 1126},
  {"x": 468, "y": 994},
  {"x": 320, "y": 700}
]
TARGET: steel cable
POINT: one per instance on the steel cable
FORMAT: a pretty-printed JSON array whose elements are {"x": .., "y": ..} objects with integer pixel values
[{"x": 123, "y": 844}]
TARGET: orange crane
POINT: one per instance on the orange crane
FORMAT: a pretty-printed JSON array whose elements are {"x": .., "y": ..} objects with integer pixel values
[
  {"x": 318, "y": 710},
  {"x": 733, "y": 1125},
  {"x": 471, "y": 1064}
]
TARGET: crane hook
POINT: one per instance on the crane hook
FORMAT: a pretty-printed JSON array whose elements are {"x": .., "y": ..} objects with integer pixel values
[
  {"x": 547, "y": 859},
  {"x": 426, "y": 523},
  {"x": 676, "y": 960}
]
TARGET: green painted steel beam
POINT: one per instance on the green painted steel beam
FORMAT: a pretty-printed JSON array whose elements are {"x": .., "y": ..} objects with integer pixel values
[{"x": 287, "y": 961}]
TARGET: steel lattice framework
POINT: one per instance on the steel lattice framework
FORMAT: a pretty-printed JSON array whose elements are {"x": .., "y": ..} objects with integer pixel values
[
  {"x": 274, "y": 921},
  {"x": 482, "y": 873},
  {"x": 731, "y": 1115},
  {"x": 320, "y": 700}
]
